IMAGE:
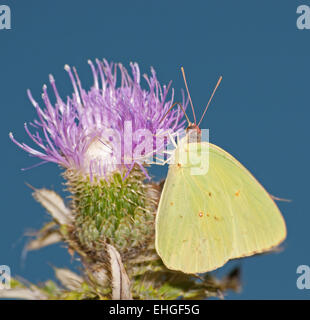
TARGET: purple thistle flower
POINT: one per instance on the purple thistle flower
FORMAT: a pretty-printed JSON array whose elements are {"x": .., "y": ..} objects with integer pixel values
[{"x": 89, "y": 131}]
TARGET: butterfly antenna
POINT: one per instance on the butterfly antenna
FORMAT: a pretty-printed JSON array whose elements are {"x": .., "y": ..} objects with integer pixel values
[
  {"x": 190, "y": 99},
  {"x": 214, "y": 90},
  {"x": 179, "y": 104}
]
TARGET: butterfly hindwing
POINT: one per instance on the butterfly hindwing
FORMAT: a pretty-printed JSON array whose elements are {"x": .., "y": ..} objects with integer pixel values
[{"x": 257, "y": 222}]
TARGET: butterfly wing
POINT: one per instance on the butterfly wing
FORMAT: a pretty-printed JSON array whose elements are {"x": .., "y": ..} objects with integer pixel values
[
  {"x": 193, "y": 234},
  {"x": 258, "y": 224},
  {"x": 205, "y": 220}
]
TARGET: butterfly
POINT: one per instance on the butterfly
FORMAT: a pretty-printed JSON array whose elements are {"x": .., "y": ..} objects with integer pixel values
[{"x": 203, "y": 220}]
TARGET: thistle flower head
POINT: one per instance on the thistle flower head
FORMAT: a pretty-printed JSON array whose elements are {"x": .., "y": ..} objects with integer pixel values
[{"x": 97, "y": 132}]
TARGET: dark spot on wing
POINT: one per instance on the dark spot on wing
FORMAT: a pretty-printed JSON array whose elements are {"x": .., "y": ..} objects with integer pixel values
[
  {"x": 237, "y": 194},
  {"x": 210, "y": 194}
]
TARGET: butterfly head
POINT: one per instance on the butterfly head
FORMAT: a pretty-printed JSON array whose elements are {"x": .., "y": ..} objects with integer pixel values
[
  {"x": 193, "y": 126},
  {"x": 193, "y": 133}
]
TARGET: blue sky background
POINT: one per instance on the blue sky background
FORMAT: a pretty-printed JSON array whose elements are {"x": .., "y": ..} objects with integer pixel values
[{"x": 260, "y": 114}]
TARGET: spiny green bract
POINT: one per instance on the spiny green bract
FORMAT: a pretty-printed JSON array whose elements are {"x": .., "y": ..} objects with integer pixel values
[{"x": 117, "y": 211}]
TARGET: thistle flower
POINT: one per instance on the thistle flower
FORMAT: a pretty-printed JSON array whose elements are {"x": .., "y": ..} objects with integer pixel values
[{"x": 91, "y": 132}]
